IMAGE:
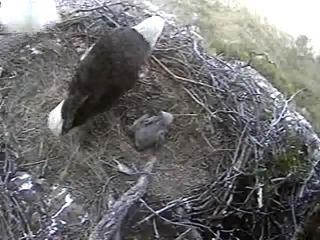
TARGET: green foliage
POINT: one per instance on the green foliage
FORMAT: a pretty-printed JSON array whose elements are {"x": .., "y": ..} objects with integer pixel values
[
  {"x": 234, "y": 33},
  {"x": 290, "y": 161}
]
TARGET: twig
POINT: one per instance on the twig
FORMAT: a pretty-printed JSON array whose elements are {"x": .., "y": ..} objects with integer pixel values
[
  {"x": 157, "y": 213},
  {"x": 163, "y": 218},
  {"x": 178, "y": 77},
  {"x": 182, "y": 235},
  {"x": 281, "y": 115},
  {"x": 192, "y": 95},
  {"x": 23, "y": 217},
  {"x": 284, "y": 109},
  {"x": 155, "y": 229},
  {"x": 114, "y": 217}
]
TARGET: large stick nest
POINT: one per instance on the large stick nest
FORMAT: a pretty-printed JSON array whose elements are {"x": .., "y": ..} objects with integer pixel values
[{"x": 240, "y": 163}]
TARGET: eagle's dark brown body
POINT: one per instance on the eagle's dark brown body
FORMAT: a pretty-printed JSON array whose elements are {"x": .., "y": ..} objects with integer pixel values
[
  {"x": 110, "y": 69},
  {"x": 106, "y": 71}
]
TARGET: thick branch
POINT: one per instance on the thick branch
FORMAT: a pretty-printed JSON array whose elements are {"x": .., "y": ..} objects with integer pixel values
[{"x": 111, "y": 222}]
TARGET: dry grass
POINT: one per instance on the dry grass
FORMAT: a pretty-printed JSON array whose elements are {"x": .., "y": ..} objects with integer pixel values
[
  {"x": 82, "y": 159},
  {"x": 226, "y": 125}
]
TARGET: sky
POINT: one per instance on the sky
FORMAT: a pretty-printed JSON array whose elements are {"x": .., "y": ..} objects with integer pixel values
[{"x": 292, "y": 16}]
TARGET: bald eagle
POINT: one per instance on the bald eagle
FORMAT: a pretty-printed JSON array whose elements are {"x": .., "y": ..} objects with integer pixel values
[{"x": 107, "y": 70}]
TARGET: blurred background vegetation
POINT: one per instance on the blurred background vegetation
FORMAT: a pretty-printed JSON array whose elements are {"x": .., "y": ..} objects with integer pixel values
[{"x": 234, "y": 32}]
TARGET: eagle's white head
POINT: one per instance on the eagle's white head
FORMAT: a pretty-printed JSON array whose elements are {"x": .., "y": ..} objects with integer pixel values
[{"x": 151, "y": 29}]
